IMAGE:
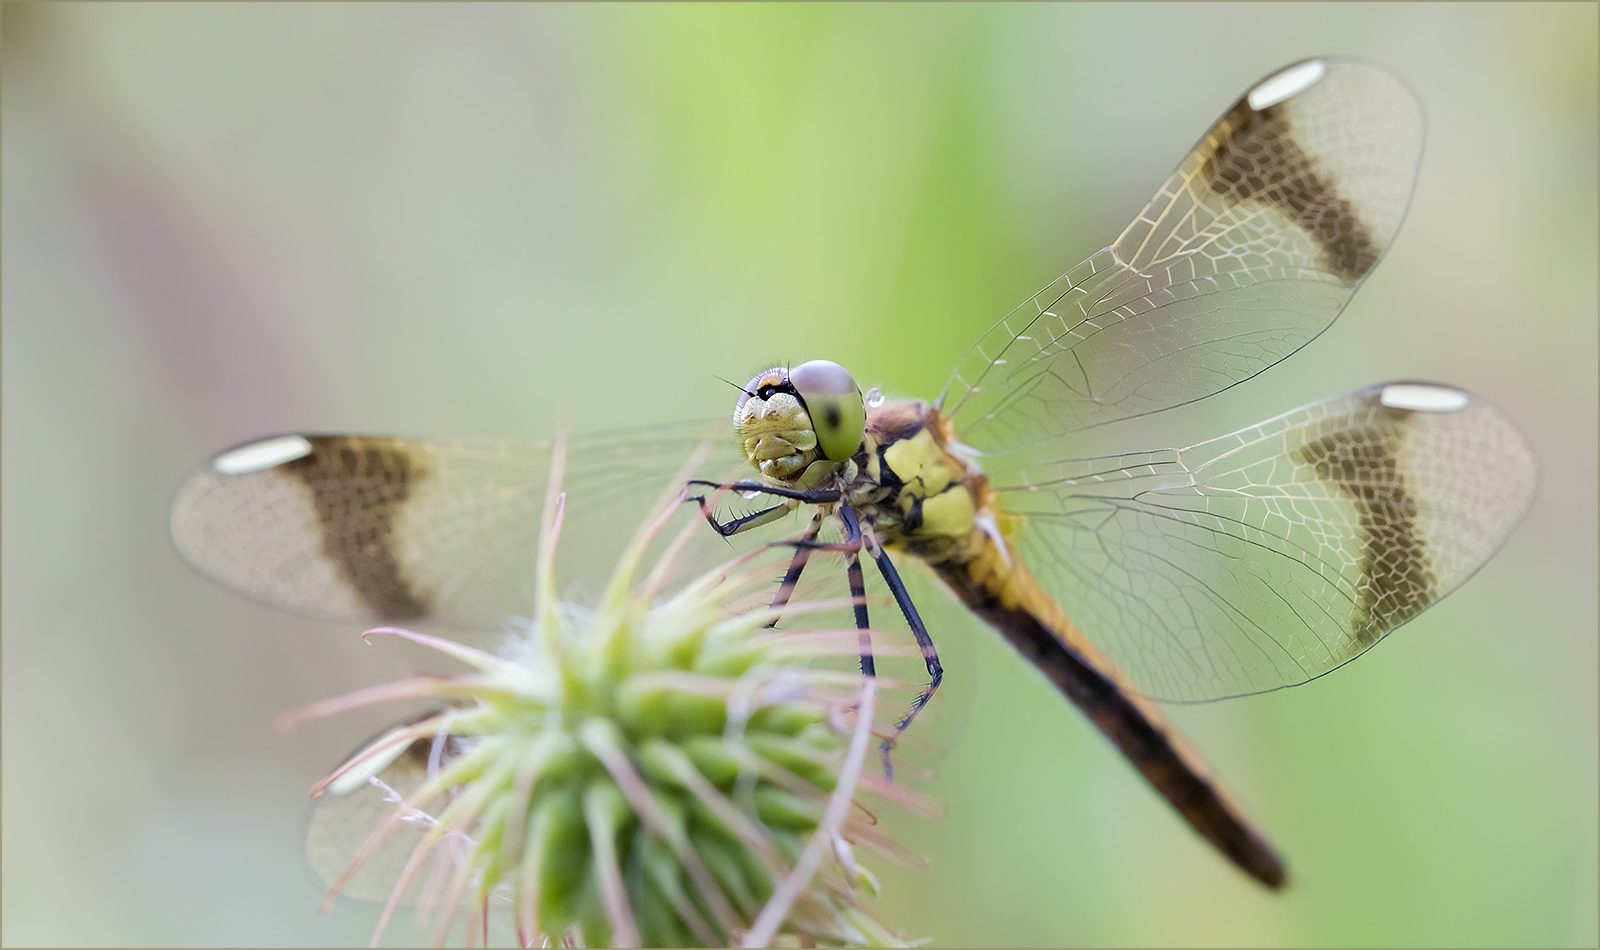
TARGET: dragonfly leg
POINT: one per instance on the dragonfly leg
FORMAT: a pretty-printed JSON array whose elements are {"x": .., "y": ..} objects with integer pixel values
[
  {"x": 733, "y": 526},
  {"x": 930, "y": 654},
  {"x": 858, "y": 588},
  {"x": 819, "y": 497},
  {"x": 797, "y": 564}
]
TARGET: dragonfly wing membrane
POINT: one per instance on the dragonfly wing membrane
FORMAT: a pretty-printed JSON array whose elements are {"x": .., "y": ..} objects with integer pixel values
[
  {"x": 343, "y": 820},
  {"x": 386, "y": 529},
  {"x": 1271, "y": 556},
  {"x": 1248, "y": 251}
]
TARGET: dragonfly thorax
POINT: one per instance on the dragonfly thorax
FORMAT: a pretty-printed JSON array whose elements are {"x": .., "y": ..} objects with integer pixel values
[{"x": 913, "y": 491}]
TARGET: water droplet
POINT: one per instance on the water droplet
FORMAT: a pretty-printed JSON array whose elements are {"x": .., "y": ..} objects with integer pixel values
[{"x": 874, "y": 398}]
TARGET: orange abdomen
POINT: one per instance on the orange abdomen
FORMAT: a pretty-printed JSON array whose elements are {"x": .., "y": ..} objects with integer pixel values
[{"x": 1000, "y": 589}]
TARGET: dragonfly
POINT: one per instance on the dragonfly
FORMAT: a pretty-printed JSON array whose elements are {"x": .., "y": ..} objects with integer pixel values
[{"x": 1261, "y": 559}]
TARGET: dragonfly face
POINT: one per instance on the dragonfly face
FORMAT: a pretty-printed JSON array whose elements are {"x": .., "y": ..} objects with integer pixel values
[
  {"x": 1245, "y": 563},
  {"x": 798, "y": 426}
]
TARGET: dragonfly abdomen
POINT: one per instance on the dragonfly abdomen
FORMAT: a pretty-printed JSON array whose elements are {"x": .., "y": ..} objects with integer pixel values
[{"x": 999, "y": 588}]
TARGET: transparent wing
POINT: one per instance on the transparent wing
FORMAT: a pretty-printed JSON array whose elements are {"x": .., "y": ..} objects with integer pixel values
[
  {"x": 1270, "y": 556},
  {"x": 367, "y": 528},
  {"x": 1247, "y": 252},
  {"x": 344, "y": 819}
]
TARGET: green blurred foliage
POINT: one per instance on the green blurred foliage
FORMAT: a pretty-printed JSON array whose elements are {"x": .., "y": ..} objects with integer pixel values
[{"x": 225, "y": 220}]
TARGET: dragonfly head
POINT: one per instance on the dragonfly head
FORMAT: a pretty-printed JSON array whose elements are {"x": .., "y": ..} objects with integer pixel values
[{"x": 802, "y": 423}]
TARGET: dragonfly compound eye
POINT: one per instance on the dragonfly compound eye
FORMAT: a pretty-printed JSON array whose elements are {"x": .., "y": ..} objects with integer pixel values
[{"x": 833, "y": 400}]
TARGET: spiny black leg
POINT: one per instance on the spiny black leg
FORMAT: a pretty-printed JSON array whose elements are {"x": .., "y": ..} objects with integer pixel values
[
  {"x": 764, "y": 516},
  {"x": 733, "y": 526},
  {"x": 858, "y": 593},
  {"x": 791, "y": 579},
  {"x": 812, "y": 544},
  {"x": 826, "y": 497},
  {"x": 858, "y": 588},
  {"x": 930, "y": 654}
]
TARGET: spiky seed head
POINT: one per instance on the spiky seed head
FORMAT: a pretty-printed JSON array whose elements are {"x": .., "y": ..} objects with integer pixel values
[{"x": 656, "y": 772}]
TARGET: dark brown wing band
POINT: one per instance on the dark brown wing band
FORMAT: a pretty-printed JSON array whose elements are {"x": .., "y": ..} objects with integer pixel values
[
  {"x": 1258, "y": 158},
  {"x": 358, "y": 487}
]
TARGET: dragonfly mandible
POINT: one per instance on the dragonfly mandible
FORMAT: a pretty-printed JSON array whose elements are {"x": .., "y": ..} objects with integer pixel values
[{"x": 1258, "y": 560}]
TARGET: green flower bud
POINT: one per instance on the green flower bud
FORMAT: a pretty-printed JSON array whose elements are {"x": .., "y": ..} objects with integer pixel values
[{"x": 633, "y": 775}]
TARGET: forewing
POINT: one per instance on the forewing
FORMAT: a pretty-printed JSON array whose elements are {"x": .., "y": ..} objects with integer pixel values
[
  {"x": 1270, "y": 556},
  {"x": 1247, "y": 252},
  {"x": 387, "y": 529}
]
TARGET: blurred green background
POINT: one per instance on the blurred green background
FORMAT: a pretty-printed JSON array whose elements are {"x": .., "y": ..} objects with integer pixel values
[{"x": 224, "y": 221}]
